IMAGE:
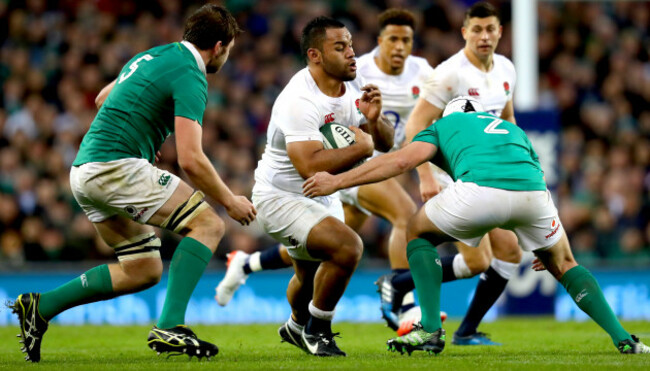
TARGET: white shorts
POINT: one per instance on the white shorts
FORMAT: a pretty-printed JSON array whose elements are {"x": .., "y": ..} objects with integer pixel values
[
  {"x": 350, "y": 196},
  {"x": 467, "y": 211},
  {"x": 130, "y": 187},
  {"x": 289, "y": 218}
]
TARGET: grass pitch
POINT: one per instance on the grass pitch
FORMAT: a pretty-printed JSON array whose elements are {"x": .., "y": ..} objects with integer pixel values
[{"x": 529, "y": 344}]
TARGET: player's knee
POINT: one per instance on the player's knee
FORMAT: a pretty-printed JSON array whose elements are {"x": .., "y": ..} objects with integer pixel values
[
  {"x": 152, "y": 275},
  {"x": 350, "y": 252},
  {"x": 403, "y": 214},
  {"x": 144, "y": 273},
  {"x": 208, "y": 228}
]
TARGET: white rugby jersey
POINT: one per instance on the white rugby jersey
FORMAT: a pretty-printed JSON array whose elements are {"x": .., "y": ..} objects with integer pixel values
[
  {"x": 297, "y": 115},
  {"x": 458, "y": 76},
  {"x": 399, "y": 92}
]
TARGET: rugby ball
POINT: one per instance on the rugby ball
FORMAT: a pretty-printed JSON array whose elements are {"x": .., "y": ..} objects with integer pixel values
[{"x": 336, "y": 136}]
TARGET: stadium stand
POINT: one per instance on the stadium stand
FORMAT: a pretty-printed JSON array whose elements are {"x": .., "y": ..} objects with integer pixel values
[{"x": 55, "y": 56}]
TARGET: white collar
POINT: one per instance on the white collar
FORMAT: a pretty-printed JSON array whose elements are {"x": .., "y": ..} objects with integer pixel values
[{"x": 196, "y": 55}]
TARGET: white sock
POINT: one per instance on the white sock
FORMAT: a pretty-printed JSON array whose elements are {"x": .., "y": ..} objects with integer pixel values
[
  {"x": 254, "y": 262},
  {"x": 319, "y": 313},
  {"x": 295, "y": 326},
  {"x": 461, "y": 270},
  {"x": 409, "y": 298},
  {"x": 505, "y": 269}
]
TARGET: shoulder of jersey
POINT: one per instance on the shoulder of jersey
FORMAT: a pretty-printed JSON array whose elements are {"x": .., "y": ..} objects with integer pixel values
[
  {"x": 450, "y": 64},
  {"x": 299, "y": 85},
  {"x": 365, "y": 59},
  {"x": 505, "y": 61}
]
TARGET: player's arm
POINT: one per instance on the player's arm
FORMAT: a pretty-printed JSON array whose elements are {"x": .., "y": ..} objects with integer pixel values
[
  {"x": 508, "y": 112},
  {"x": 375, "y": 170},
  {"x": 310, "y": 157},
  {"x": 203, "y": 175},
  {"x": 377, "y": 125},
  {"x": 103, "y": 94},
  {"x": 423, "y": 114}
]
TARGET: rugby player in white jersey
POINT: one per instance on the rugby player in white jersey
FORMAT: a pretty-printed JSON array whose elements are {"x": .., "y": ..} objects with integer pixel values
[
  {"x": 324, "y": 251},
  {"x": 399, "y": 76},
  {"x": 479, "y": 72}
]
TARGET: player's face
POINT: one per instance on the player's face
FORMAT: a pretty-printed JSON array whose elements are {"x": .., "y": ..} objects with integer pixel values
[
  {"x": 218, "y": 60},
  {"x": 395, "y": 44},
  {"x": 338, "y": 55},
  {"x": 482, "y": 36}
]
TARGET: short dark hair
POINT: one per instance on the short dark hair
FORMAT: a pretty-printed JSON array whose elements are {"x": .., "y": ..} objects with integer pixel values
[
  {"x": 397, "y": 17},
  {"x": 314, "y": 33},
  {"x": 208, "y": 25},
  {"x": 481, "y": 9}
]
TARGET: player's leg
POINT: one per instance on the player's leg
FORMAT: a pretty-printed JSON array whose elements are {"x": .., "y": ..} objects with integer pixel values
[
  {"x": 187, "y": 213},
  {"x": 424, "y": 261},
  {"x": 538, "y": 227},
  {"x": 339, "y": 249},
  {"x": 389, "y": 200},
  {"x": 104, "y": 191},
  {"x": 241, "y": 265},
  {"x": 586, "y": 293},
  {"x": 299, "y": 294},
  {"x": 137, "y": 271},
  {"x": 506, "y": 258}
]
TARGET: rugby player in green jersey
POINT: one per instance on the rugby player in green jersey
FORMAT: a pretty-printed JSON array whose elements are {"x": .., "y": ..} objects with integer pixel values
[
  {"x": 498, "y": 183},
  {"x": 159, "y": 92}
]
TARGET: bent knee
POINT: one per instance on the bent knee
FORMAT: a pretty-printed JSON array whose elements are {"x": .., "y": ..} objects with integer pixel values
[
  {"x": 144, "y": 273},
  {"x": 350, "y": 252},
  {"x": 207, "y": 227}
]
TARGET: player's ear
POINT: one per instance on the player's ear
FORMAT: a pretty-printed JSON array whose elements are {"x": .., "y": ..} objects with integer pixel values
[
  {"x": 218, "y": 47},
  {"x": 314, "y": 55}
]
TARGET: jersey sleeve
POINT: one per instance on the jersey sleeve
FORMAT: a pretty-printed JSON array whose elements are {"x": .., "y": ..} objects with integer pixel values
[
  {"x": 189, "y": 92},
  {"x": 299, "y": 121},
  {"x": 439, "y": 87},
  {"x": 428, "y": 135}
]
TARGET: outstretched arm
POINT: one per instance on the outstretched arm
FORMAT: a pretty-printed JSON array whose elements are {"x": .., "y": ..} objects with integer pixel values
[
  {"x": 422, "y": 116},
  {"x": 377, "y": 169},
  {"x": 199, "y": 169}
]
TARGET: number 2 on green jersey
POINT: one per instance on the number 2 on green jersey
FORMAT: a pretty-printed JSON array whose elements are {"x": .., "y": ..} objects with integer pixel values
[
  {"x": 134, "y": 66},
  {"x": 492, "y": 127}
]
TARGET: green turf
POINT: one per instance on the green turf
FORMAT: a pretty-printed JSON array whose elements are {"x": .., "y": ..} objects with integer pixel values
[{"x": 529, "y": 343}]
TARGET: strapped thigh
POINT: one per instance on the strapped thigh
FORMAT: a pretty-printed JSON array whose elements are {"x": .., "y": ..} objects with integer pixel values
[
  {"x": 185, "y": 212},
  {"x": 139, "y": 247}
]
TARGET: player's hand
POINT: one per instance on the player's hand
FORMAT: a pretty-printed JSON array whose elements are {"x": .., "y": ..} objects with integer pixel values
[
  {"x": 363, "y": 139},
  {"x": 429, "y": 188},
  {"x": 158, "y": 156},
  {"x": 537, "y": 265},
  {"x": 241, "y": 210},
  {"x": 320, "y": 184},
  {"x": 370, "y": 102}
]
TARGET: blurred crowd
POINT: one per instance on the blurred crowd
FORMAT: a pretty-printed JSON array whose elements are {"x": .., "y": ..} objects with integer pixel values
[{"x": 55, "y": 56}]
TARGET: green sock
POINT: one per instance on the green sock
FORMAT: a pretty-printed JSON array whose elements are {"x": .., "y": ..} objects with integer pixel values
[
  {"x": 94, "y": 285},
  {"x": 586, "y": 293},
  {"x": 427, "y": 275},
  {"x": 187, "y": 266}
]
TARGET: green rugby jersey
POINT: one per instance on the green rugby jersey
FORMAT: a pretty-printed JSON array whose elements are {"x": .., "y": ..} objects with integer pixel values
[
  {"x": 486, "y": 150},
  {"x": 138, "y": 115}
]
